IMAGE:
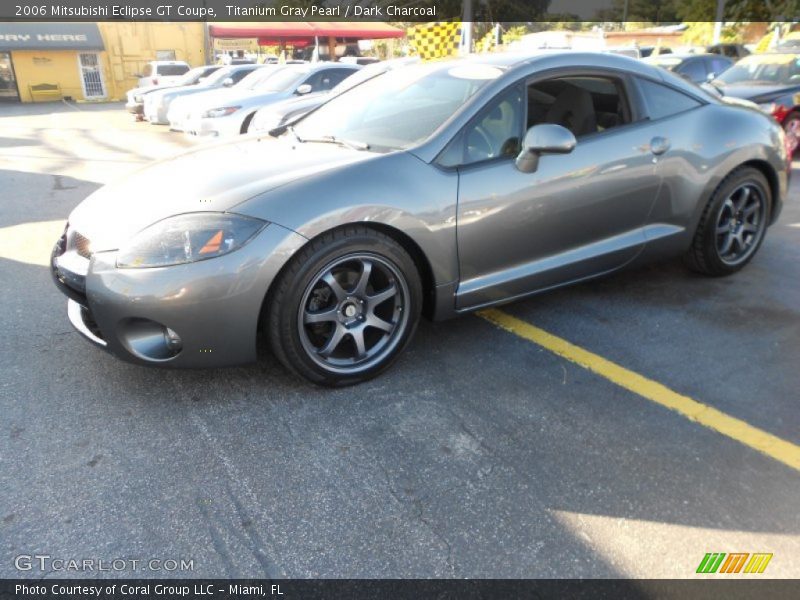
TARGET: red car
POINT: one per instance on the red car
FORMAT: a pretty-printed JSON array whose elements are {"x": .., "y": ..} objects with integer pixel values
[{"x": 773, "y": 82}]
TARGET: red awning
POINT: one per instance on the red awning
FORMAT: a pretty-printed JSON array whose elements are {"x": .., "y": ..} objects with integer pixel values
[{"x": 361, "y": 31}]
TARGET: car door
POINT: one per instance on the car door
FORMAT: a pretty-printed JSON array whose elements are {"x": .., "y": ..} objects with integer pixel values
[{"x": 577, "y": 215}]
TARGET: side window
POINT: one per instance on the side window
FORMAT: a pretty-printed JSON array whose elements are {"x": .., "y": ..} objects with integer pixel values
[
  {"x": 663, "y": 101},
  {"x": 237, "y": 76},
  {"x": 718, "y": 65},
  {"x": 326, "y": 79},
  {"x": 584, "y": 105},
  {"x": 333, "y": 77},
  {"x": 496, "y": 132},
  {"x": 694, "y": 70}
]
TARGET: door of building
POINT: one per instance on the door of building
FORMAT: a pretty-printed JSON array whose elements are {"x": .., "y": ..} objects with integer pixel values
[
  {"x": 8, "y": 81},
  {"x": 91, "y": 75}
]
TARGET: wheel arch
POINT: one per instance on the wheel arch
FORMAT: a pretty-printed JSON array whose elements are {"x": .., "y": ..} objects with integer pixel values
[
  {"x": 414, "y": 250},
  {"x": 770, "y": 175},
  {"x": 247, "y": 120}
]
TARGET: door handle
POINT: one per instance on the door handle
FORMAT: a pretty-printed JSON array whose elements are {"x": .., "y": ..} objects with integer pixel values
[{"x": 659, "y": 145}]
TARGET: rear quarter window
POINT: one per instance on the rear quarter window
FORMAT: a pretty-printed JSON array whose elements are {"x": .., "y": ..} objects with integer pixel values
[
  {"x": 172, "y": 70},
  {"x": 663, "y": 101}
]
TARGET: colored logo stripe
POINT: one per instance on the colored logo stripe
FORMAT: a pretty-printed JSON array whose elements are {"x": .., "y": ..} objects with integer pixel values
[
  {"x": 758, "y": 562},
  {"x": 710, "y": 562},
  {"x": 734, "y": 562}
]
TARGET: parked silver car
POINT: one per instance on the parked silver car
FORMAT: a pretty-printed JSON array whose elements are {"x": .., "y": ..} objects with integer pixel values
[
  {"x": 281, "y": 113},
  {"x": 440, "y": 189}
]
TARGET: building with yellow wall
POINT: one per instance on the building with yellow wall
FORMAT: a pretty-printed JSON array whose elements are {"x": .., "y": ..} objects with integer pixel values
[{"x": 89, "y": 61}]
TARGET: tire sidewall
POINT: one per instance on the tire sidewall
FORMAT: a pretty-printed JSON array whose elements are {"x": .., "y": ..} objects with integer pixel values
[
  {"x": 287, "y": 304},
  {"x": 745, "y": 176}
]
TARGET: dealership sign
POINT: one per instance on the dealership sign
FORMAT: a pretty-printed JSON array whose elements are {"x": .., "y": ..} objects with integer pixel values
[{"x": 50, "y": 36}]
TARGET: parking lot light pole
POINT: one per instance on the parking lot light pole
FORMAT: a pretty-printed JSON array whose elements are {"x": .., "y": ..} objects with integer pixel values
[
  {"x": 718, "y": 21},
  {"x": 466, "y": 28}
]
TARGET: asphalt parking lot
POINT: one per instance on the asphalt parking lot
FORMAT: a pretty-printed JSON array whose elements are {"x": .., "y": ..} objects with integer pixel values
[{"x": 480, "y": 454}]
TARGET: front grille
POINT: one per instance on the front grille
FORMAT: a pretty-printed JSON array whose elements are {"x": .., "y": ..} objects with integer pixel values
[{"x": 82, "y": 245}]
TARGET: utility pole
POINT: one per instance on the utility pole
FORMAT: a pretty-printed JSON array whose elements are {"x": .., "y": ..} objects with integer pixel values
[
  {"x": 466, "y": 28},
  {"x": 718, "y": 21}
]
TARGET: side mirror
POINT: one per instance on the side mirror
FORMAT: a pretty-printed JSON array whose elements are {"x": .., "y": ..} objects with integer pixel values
[
  {"x": 544, "y": 139},
  {"x": 228, "y": 82},
  {"x": 711, "y": 77},
  {"x": 303, "y": 89}
]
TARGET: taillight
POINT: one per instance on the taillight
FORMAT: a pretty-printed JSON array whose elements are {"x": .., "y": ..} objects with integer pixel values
[
  {"x": 779, "y": 112},
  {"x": 154, "y": 80}
]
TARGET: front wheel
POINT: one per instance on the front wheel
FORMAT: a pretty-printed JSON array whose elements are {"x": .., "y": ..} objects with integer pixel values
[
  {"x": 733, "y": 224},
  {"x": 345, "y": 307}
]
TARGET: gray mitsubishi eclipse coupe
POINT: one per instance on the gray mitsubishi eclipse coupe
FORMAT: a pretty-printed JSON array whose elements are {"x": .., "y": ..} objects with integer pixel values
[{"x": 437, "y": 190}]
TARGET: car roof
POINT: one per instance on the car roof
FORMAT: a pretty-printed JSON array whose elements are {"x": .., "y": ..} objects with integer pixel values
[
  {"x": 686, "y": 56},
  {"x": 557, "y": 59}
]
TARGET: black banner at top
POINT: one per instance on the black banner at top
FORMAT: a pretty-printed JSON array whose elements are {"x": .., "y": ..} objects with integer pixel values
[{"x": 504, "y": 11}]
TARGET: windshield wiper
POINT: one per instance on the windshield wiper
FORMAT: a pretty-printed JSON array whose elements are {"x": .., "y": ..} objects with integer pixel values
[
  {"x": 331, "y": 139},
  {"x": 291, "y": 130}
]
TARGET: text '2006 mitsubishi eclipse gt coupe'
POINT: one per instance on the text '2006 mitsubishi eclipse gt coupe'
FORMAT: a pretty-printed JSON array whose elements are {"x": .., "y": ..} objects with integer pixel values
[{"x": 440, "y": 189}]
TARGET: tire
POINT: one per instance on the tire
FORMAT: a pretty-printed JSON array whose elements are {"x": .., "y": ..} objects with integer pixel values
[
  {"x": 246, "y": 123},
  {"x": 373, "y": 319},
  {"x": 792, "y": 128},
  {"x": 733, "y": 224}
]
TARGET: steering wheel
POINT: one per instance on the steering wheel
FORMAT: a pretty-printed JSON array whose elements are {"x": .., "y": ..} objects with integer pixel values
[{"x": 479, "y": 145}]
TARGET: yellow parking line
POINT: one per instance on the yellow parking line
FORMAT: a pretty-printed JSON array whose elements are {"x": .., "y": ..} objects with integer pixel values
[{"x": 742, "y": 432}]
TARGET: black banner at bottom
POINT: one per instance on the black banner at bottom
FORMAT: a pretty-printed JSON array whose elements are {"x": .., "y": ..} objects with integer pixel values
[{"x": 388, "y": 589}]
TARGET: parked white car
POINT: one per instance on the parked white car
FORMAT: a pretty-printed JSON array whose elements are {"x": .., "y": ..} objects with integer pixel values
[
  {"x": 135, "y": 104},
  {"x": 162, "y": 72},
  {"x": 228, "y": 112},
  {"x": 157, "y": 104}
]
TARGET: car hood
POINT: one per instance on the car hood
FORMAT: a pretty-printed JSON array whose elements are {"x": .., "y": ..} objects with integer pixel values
[
  {"x": 292, "y": 104},
  {"x": 756, "y": 93},
  {"x": 238, "y": 170},
  {"x": 229, "y": 97},
  {"x": 181, "y": 91},
  {"x": 146, "y": 89}
]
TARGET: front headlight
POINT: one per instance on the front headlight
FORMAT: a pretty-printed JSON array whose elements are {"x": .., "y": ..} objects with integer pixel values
[
  {"x": 188, "y": 238},
  {"x": 137, "y": 98},
  {"x": 220, "y": 112}
]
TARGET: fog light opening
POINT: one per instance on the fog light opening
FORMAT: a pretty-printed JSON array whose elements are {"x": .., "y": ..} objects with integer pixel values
[
  {"x": 150, "y": 340},
  {"x": 173, "y": 340}
]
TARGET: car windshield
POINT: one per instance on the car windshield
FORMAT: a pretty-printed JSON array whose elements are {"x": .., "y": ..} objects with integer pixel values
[
  {"x": 284, "y": 79},
  {"x": 257, "y": 79},
  {"x": 399, "y": 110},
  {"x": 193, "y": 76},
  {"x": 764, "y": 69},
  {"x": 217, "y": 77}
]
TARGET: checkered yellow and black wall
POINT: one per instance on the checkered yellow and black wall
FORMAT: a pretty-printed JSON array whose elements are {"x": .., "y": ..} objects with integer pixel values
[{"x": 435, "y": 40}]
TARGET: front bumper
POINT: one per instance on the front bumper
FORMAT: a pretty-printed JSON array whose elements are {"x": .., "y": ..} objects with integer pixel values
[
  {"x": 213, "y": 305},
  {"x": 135, "y": 108},
  {"x": 219, "y": 127},
  {"x": 156, "y": 113}
]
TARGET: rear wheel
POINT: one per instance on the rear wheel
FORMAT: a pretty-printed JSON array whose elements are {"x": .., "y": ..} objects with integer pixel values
[
  {"x": 733, "y": 224},
  {"x": 345, "y": 307}
]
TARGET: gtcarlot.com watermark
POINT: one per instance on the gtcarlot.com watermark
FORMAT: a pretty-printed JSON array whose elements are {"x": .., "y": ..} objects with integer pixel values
[{"x": 50, "y": 564}]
